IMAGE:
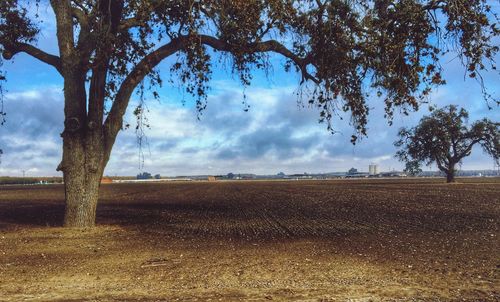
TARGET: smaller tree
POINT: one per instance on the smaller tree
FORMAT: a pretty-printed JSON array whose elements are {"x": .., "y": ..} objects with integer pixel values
[{"x": 445, "y": 138}]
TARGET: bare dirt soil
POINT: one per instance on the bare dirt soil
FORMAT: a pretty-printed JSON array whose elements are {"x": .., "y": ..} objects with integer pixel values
[{"x": 344, "y": 240}]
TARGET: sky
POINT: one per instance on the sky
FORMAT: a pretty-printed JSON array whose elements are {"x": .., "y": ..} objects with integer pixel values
[{"x": 277, "y": 134}]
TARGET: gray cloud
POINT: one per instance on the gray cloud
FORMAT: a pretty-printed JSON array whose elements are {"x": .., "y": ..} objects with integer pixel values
[
  {"x": 225, "y": 114},
  {"x": 276, "y": 134},
  {"x": 30, "y": 137},
  {"x": 34, "y": 114},
  {"x": 257, "y": 144},
  {"x": 168, "y": 145}
]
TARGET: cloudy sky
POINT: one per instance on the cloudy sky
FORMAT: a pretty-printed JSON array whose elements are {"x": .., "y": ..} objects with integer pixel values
[{"x": 276, "y": 134}]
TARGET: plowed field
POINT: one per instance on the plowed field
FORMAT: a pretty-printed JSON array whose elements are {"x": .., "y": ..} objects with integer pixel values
[{"x": 343, "y": 240}]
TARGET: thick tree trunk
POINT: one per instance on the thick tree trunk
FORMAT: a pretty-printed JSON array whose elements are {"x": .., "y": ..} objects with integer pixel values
[
  {"x": 85, "y": 149},
  {"x": 450, "y": 177},
  {"x": 82, "y": 167},
  {"x": 450, "y": 174},
  {"x": 82, "y": 193}
]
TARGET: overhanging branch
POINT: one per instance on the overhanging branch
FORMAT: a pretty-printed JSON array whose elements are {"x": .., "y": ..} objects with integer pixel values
[
  {"x": 113, "y": 122},
  {"x": 266, "y": 46},
  {"x": 31, "y": 50}
]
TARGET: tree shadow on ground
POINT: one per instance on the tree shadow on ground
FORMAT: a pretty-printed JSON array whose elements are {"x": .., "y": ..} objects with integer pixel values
[
  {"x": 32, "y": 213},
  {"x": 258, "y": 213},
  {"x": 250, "y": 221}
]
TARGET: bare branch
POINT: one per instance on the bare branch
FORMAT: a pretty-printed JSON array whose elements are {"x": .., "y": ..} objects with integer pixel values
[{"x": 37, "y": 53}]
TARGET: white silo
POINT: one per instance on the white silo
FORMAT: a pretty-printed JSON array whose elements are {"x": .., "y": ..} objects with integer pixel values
[{"x": 373, "y": 169}]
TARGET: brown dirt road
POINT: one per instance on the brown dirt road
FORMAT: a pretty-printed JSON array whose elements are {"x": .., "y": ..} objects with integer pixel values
[{"x": 345, "y": 240}]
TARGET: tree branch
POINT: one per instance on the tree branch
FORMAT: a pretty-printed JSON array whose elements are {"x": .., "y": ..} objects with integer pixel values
[
  {"x": 31, "y": 50},
  {"x": 130, "y": 23},
  {"x": 85, "y": 41},
  {"x": 113, "y": 122},
  {"x": 80, "y": 16},
  {"x": 467, "y": 150},
  {"x": 266, "y": 46},
  {"x": 137, "y": 21},
  {"x": 440, "y": 165},
  {"x": 65, "y": 38},
  {"x": 434, "y": 5}
]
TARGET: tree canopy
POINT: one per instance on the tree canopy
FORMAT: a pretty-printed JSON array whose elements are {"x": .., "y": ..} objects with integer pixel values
[
  {"x": 445, "y": 138},
  {"x": 341, "y": 48}
]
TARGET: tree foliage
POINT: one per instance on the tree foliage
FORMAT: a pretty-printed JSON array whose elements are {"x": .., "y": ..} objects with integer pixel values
[
  {"x": 341, "y": 48},
  {"x": 445, "y": 138}
]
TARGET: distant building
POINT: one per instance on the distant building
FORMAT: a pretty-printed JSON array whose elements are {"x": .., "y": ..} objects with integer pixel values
[
  {"x": 300, "y": 176},
  {"x": 394, "y": 174},
  {"x": 357, "y": 175},
  {"x": 144, "y": 175},
  {"x": 106, "y": 180},
  {"x": 352, "y": 171},
  {"x": 211, "y": 178},
  {"x": 373, "y": 169}
]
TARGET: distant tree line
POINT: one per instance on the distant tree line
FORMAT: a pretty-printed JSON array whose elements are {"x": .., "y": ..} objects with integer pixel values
[{"x": 146, "y": 175}]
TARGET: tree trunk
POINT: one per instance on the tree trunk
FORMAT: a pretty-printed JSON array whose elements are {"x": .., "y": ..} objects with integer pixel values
[
  {"x": 82, "y": 167},
  {"x": 83, "y": 159},
  {"x": 82, "y": 194},
  {"x": 450, "y": 174},
  {"x": 450, "y": 177}
]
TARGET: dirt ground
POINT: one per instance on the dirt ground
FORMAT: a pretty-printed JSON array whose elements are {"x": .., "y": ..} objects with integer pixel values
[{"x": 342, "y": 240}]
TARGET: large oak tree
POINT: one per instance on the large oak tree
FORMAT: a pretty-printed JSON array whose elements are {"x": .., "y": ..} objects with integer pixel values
[{"x": 343, "y": 49}]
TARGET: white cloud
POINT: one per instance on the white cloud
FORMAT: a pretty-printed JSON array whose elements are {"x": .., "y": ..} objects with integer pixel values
[{"x": 275, "y": 135}]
